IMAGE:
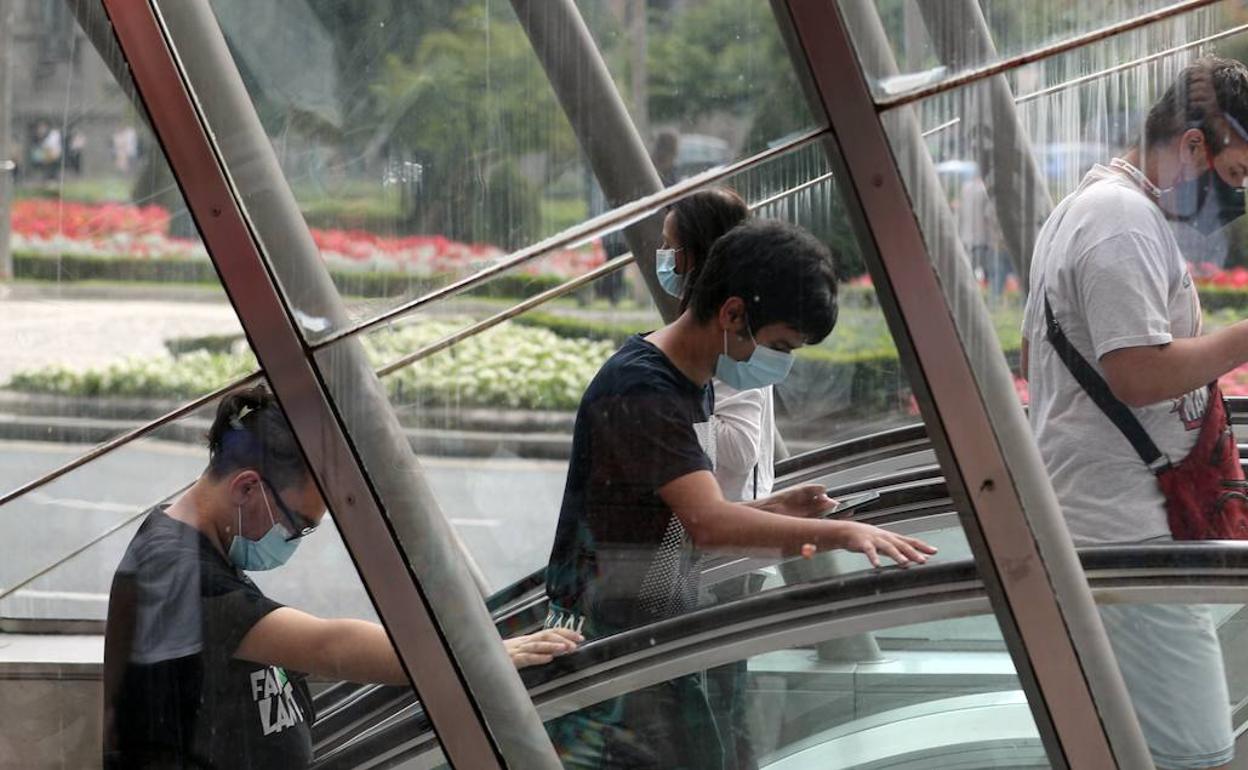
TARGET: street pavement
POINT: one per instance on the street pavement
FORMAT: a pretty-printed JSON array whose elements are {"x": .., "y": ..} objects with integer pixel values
[
  {"x": 37, "y": 332},
  {"x": 503, "y": 508}
]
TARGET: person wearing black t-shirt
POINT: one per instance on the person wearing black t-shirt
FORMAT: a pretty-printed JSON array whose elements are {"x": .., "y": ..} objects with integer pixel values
[
  {"x": 641, "y": 501},
  {"x": 201, "y": 669}
]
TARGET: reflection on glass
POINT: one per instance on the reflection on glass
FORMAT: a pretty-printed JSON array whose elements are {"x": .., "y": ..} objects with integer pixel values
[
  {"x": 491, "y": 416},
  {"x": 110, "y": 311},
  {"x": 1140, "y": 148},
  {"x": 706, "y": 82},
  {"x": 1075, "y": 110},
  {"x": 423, "y": 142},
  {"x": 938, "y": 695},
  {"x": 931, "y": 42},
  {"x": 111, "y": 315},
  {"x": 80, "y": 510}
]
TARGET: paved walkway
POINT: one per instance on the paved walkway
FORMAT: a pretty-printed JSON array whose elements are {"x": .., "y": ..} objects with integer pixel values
[{"x": 36, "y": 332}]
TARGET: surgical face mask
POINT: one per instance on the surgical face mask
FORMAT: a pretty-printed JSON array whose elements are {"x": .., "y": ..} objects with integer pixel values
[
  {"x": 665, "y": 266},
  {"x": 271, "y": 551},
  {"x": 764, "y": 366}
]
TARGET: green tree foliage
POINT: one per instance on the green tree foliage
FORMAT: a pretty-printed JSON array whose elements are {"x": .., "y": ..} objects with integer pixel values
[
  {"x": 467, "y": 105},
  {"x": 725, "y": 57}
]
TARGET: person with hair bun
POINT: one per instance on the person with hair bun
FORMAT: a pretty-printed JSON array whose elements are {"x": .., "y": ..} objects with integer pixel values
[
  {"x": 200, "y": 667},
  {"x": 742, "y": 439}
]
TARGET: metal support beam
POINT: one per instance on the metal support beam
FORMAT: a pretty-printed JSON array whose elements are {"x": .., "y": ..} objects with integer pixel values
[
  {"x": 615, "y": 151},
  {"x": 340, "y": 414},
  {"x": 1009, "y": 512},
  {"x": 998, "y": 140}
]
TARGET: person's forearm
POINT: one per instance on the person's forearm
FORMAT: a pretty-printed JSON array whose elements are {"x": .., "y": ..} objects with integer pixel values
[
  {"x": 359, "y": 651},
  {"x": 725, "y": 525},
  {"x": 1149, "y": 375}
]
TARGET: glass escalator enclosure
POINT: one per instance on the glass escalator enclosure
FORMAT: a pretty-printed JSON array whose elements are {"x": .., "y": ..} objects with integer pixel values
[
  {"x": 1045, "y": 143},
  {"x": 418, "y": 162},
  {"x": 938, "y": 692}
]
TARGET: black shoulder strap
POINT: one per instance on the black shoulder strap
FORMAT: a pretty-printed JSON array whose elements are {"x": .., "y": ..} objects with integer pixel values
[{"x": 1096, "y": 388}]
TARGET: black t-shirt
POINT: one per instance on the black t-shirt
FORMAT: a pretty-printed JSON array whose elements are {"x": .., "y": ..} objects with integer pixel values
[
  {"x": 177, "y": 613},
  {"x": 621, "y": 557}
]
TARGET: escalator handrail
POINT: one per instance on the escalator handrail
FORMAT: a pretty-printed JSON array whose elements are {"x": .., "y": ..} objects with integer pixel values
[
  {"x": 1227, "y": 560},
  {"x": 917, "y": 499},
  {"x": 871, "y": 445},
  {"x": 913, "y": 438},
  {"x": 617, "y": 661}
]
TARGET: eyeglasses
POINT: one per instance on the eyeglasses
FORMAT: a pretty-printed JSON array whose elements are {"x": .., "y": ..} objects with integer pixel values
[{"x": 300, "y": 524}]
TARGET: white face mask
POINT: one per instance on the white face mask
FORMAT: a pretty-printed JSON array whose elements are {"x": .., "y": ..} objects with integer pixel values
[
  {"x": 764, "y": 366},
  {"x": 665, "y": 267},
  {"x": 269, "y": 552}
]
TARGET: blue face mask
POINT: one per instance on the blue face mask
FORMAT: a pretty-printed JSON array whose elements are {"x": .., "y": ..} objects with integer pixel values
[
  {"x": 271, "y": 551},
  {"x": 665, "y": 266},
  {"x": 764, "y": 366}
]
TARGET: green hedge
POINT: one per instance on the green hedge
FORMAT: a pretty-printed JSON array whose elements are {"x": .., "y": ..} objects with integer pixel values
[
  {"x": 73, "y": 267},
  {"x": 1213, "y": 298},
  {"x": 576, "y": 327}
]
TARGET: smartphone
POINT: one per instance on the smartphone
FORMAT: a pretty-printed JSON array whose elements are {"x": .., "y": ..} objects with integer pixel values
[{"x": 846, "y": 505}]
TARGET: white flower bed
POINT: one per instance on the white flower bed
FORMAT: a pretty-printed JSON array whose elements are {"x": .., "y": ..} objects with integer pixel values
[{"x": 509, "y": 366}]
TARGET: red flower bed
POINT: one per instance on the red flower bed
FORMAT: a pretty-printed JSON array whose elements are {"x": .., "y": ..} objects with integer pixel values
[
  {"x": 47, "y": 218},
  {"x": 126, "y": 230},
  {"x": 1206, "y": 274}
]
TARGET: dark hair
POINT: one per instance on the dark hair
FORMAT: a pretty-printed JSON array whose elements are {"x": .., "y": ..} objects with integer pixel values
[
  {"x": 250, "y": 431},
  {"x": 700, "y": 219},
  {"x": 782, "y": 272},
  {"x": 1202, "y": 96}
]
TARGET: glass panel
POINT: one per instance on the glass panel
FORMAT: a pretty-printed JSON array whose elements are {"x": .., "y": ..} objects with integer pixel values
[
  {"x": 423, "y": 142},
  {"x": 104, "y": 502},
  {"x": 906, "y": 45},
  {"x": 933, "y": 695},
  {"x": 1116, "y": 265},
  {"x": 81, "y": 507},
  {"x": 105, "y": 287},
  {"x": 112, "y": 315},
  {"x": 1078, "y": 110},
  {"x": 1156, "y": 646},
  {"x": 491, "y": 417},
  {"x": 706, "y": 82}
]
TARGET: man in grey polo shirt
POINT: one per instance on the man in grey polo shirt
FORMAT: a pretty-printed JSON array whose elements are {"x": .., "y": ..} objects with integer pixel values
[{"x": 1119, "y": 287}]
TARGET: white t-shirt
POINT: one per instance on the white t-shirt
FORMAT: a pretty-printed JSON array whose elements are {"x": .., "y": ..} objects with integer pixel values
[
  {"x": 744, "y": 424},
  {"x": 1115, "y": 277}
]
